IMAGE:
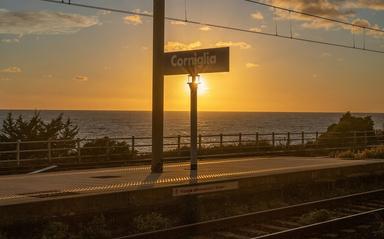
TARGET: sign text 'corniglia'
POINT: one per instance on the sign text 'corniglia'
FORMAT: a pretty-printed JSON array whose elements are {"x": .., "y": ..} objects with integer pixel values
[{"x": 197, "y": 61}]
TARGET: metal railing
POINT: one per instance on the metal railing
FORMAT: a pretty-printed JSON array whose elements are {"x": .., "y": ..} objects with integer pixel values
[{"x": 109, "y": 149}]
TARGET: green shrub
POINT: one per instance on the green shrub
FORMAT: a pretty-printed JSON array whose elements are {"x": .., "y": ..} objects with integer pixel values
[
  {"x": 95, "y": 229},
  {"x": 348, "y": 154},
  {"x": 316, "y": 216},
  {"x": 117, "y": 150},
  {"x": 343, "y": 133},
  {"x": 36, "y": 129},
  {"x": 372, "y": 153},
  {"x": 151, "y": 222},
  {"x": 262, "y": 146},
  {"x": 56, "y": 230}
]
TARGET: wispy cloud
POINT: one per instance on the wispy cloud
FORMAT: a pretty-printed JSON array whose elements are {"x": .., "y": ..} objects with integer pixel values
[
  {"x": 43, "y": 22},
  {"x": 250, "y": 65},
  {"x": 364, "y": 4},
  {"x": 11, "y": 69},
  {"x": 49, "y": 76},
  {"x": 104, "y": 12},
  {"x": 81, "y": 78},
  {"x": 180, "y": 46},
  {"x": 10, "y": 40},
  {"x": 241, "y": 45},
  {"x": 325, "y": 54},
  {"x": 136, "y": 19},
  {"x": 205, "y": 28},
  {"x": 257, "y": 16},
  {"x": 178, "y": 23},
  {"x": 256, "y": 29},
  {"x": 341, "y": 10},
  {"x": 133, "y": 20}
]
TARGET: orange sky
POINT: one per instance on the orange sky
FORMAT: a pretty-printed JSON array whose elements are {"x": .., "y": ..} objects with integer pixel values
[{"x": 102, "y": 61}]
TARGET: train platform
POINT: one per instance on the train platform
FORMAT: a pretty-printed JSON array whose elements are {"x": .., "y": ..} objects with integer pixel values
[{"x": 43, "y": 187}]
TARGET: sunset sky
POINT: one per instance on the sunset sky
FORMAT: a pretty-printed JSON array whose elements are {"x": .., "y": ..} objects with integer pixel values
[{"x": 64, "y": 57}]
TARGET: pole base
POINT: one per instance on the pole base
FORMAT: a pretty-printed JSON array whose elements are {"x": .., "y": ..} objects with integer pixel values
[
  {"x": 193, "y": 167},
  {"x": 157, "y": 169}
]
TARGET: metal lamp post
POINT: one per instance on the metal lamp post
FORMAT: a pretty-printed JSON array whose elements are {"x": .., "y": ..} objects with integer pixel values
[{"x": 193, "y": 82}]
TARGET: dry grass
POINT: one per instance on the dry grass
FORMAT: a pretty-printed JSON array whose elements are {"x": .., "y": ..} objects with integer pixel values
[{"x": 372, "y": 153}]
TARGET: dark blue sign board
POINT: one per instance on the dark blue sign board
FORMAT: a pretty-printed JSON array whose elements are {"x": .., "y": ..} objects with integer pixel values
[{"x": 197, "y": 61}]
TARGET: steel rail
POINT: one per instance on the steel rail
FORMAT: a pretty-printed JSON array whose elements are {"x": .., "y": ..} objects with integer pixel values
[{"x": 217, "y": 224}]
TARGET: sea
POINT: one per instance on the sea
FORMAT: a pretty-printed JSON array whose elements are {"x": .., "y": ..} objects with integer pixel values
[{"x": 123, "y": 124}]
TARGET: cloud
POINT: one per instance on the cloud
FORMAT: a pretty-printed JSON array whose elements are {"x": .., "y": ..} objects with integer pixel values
[
  {"x": 325, "y": 54},
  {"x": 251, "y": 65},
  {"x": 256, "y": 29},
  {"x": 133, "y": 20},
  {"x": 5, "y": 79},
  {"x": 337, "y": 9},
  {"x": 257, "y": 16},
  {"x": 136, "y": 19},
  {"x": 205, "y": 28},
  {"x": 326, "y": 8},
  {"x": 104, "y": 12},
  {"x": 10, "y": 40},
  {"x": 43, "y": 22},
  {"x": 179, "y": 46},
  {"x": 178, "y": 23},
  {"x": 364, "y": 4},
  {"x": 242, "y": 45},
  {"x": 81, "y": 78},
  {"x": 49, "y": 76},
  {"x": 11, "y": 69}
]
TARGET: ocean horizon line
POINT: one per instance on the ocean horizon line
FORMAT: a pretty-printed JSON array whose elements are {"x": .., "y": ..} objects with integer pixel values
[{"x": 202, "y": 111}]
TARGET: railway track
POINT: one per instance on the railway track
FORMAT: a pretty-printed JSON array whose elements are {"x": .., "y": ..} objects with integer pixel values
[{"x": 339, "y": 217}]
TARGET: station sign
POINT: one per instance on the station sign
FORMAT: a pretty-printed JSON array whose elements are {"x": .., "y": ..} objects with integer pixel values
[{"x": 197, "y": 61}]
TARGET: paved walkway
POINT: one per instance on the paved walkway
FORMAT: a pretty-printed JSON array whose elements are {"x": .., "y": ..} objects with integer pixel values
[{"x": 25, "y": 188}]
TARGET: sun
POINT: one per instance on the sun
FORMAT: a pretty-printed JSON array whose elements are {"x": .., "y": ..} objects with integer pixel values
[{"x": 203, "y": 87}]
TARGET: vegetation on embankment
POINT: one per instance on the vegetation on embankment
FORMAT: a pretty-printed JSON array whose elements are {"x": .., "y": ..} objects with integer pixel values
[{"x": 371, "y": 153}]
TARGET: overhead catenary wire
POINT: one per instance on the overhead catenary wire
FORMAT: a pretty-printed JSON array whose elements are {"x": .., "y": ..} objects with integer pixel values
[
  {"x": 315, "y": 16},
  {"x": 218, "y": 26}
]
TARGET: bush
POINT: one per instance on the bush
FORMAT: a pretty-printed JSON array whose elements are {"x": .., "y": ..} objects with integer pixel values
[
  {"x": 372, "y": 153},
  {"x": 342, "y": 133},
  {"x": 316, "y": 216},
  {"x": 345, "y": 154},
  {"x": 151, "y": 222},
  {"x": 95, "y": 229},
  {"x": 56, "y": 230},
  {"x": 262, "y": 146},
  {"x": 117, "y": 150},
  {"x": 36, "y": 129}
]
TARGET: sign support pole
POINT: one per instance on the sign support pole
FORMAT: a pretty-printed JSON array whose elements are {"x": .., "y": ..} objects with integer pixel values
[
  {"x": 158, "y": 86},
  {"x": 193, "y": 85}
]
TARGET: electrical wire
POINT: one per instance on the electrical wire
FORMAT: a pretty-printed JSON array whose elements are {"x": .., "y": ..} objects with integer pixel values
[
  {"x": 217, "y": 26},
  {"x": 315, "y": 16}
]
